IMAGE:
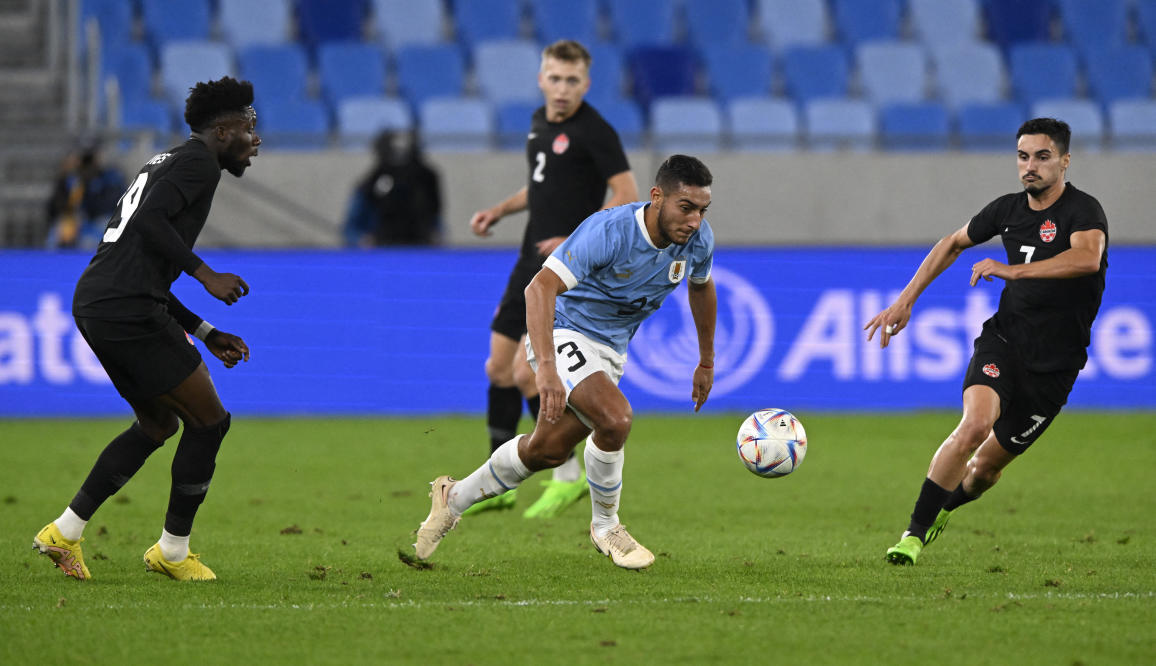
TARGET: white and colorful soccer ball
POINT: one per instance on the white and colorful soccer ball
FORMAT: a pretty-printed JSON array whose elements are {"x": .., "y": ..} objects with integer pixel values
[{"x": 772, "y": 443}]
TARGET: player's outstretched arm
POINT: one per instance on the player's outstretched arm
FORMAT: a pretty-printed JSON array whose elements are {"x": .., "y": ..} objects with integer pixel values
[
  {"x": 227, "y": 347},
  {"x": 895, "y": 317},
  {"x": 1082, "y": 258},
  {"x": 704, "y": 308},
  {"x": 225, "y": 287},
  {"x": 482, "y": 220},
  {"x": 541, "y": 297}
]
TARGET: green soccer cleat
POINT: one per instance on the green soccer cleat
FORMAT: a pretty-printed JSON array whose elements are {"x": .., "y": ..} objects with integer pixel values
[
  {"x": 190, "y": 568},
  {"x": 906, "y": 551},
  {"x": 937, "y": 527},
  {"x": 64, "y": 554},
  {"x": 557, "y": 496},
  {"x": 498, "y": 503}
]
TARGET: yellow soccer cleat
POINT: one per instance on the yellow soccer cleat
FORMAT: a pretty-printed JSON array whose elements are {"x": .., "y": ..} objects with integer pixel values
[
  {"x": 63, "y": 553},
  {"x": 189, "y": 568}
]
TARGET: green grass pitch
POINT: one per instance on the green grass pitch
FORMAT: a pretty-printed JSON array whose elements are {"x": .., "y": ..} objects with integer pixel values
[{"x": 304, "y": 518}]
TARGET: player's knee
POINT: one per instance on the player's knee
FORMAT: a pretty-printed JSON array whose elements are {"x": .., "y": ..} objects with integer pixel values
[
  {"x": 159, "y": 428},
  {"x": 983, "y": 475},
  {"x": 612, "y": 430},
  {"x": 969, "y": 435},
  {"x": 499, "y": 374}
]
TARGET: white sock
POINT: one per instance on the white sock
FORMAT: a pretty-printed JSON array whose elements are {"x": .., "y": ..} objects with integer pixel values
[
  {"x": 503, "y": 471},
  {"x": 174, "y": 548},
  {"x": 568, "y": 471},
  {"x": 71, "y": 526},
  {"x": 604, "y": 476}
]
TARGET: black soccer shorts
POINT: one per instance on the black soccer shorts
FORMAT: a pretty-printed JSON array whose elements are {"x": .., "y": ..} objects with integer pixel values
[
  {"x": 1028, "y": 401},
  {"x": 144, "y": 358},
  {"x": 510, "y": 315}
]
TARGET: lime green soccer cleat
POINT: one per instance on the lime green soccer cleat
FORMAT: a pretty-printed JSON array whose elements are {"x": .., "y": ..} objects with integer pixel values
[
  {"x": 906, "y": 551},
  {"x": 190, "y": 568},
  {"x": 557, "y": 496},
  {"x": 64, "y": 554},
  {"x": 497, "y": 503},
  {"x": 937, "y": 527}
]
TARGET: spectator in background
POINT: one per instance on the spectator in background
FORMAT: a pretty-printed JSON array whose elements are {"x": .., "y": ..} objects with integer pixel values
[
  {"x": 84, "y": 197},
  {"x": 399, "y": 200}
]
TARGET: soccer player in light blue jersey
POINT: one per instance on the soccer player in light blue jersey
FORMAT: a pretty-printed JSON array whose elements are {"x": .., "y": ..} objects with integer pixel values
[{"x": 582, "y": 308}]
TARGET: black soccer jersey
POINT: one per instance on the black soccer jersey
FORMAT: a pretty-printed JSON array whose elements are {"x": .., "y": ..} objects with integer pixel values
[
  {"x": 570, "y": 163},
  {"x": 1048, "y": 320},
  {"x": 148, "y": 242}
]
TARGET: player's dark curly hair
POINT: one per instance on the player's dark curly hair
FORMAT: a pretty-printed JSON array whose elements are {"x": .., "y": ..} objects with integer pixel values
[
  {"x": 1057, "y": 130},
  {"x": 209, "y": 101},
  {"x": 682, "y": 170}
]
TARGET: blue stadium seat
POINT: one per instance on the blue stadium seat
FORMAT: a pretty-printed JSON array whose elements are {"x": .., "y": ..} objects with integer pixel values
[
  {"x": 737, "y": 70},
  {"x": 762, "y": 124},
  {"x": 129, "y": 63},
  {"x": 626, "y": 119},
  {"x": 350, "y": 69},
  {"x": 937, "y": 23},
  {"x": 606, "y": 73},
  {"x": 185, "y": 63},
  {"x": 1120, "y": 73},
  {"x": 969, "y": 72},
  {"x": 716, "y": 22},
  {"x": 507, "y": 70},
  {"x": 1082, "y": 115},
  {"x": 839, "y": 124},
  {"x": 246, "y": 22},
  {"x": 661, "y": 71},
  {"x": 1040, "y": 71},
  {"x": 1094, "y": 25},
  {"x": 686, "y": 125},
  {"x": 638, "y": 23},
  {"x": 566, "y": 19},
  {"x": 301, "y": 124},
  {"x": 1133, "y": 125},
  {"x": 113, "y": 17},
  {"x": 359, "y": 119},
  {"x": 485, "y": 20},
  {"x": 787, "y": 23},
  {"x": 1013, "y": 21},
  {"x": 860, "y": 21},
  {"x": 915, "y": 127},
  {"x": 429, "y": 71},
  {"x": 321, "y": 21},
  {"x": 278, "y": 72},
  {"x": 456, "y": 124},
  {"x": 165, "y": 21},
  {"x": 148, "y": 115},
  {"x": 892, "y": 71},
  {"x": 810, "y": 72},
  {"x": 513, "y": 124},
  {"x": 1146, "y": 22},
  {"x": 406, "y": 22},
  {"x": 989, "y": 127}
]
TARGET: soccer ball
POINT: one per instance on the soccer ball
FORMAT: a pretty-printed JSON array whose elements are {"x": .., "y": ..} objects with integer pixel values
[{"x": 772, "y": 443}]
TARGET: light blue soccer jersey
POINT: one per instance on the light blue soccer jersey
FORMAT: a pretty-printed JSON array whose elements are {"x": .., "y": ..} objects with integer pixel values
[{"x": 616, "y": 277}]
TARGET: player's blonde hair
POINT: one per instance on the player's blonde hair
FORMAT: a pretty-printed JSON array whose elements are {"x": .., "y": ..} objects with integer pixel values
[{"x": 567, "y": 50}]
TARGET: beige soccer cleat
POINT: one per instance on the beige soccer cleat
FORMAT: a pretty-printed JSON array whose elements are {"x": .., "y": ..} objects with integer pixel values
[
  {"x": 440, "y": 520},
  {"x": 622, "y": 548},
  {"x": 64, "y": 554},
  {"x": 190, "y": 568}
]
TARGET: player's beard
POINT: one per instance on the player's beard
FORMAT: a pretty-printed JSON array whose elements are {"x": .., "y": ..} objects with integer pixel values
[{"x": 232, "y": 163}]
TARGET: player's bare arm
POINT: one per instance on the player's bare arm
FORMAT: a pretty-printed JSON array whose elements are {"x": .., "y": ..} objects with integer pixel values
[
  {"x": 1082, "y": 258},
  {"x": 541, "y": 297},
  {"x": 226, "y": 287},
  {"x": 703, "y": 300},
  {"x": 623, "y": 189},
  {"x": 228, "y": 347},
  {"x": 482, "y": 220},
  {"x": 894, "y": 319}
]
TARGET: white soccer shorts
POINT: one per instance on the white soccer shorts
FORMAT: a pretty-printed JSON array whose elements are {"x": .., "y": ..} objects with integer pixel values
[{"x": 577, "y": 357}]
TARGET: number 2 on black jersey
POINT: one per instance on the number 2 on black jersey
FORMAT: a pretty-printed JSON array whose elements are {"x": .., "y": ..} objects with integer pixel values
[
  {"x": 539, "y": 168},
  {"x": 128, "y": 203}
]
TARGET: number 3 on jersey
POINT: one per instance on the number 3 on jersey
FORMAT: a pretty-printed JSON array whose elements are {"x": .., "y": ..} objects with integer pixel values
[{"x": 128, "y": 203}]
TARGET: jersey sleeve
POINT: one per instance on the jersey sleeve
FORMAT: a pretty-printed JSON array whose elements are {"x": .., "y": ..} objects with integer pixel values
[
  {"x": 985, "y": 224},
  {"x": 173, "y": 191},
  {"x": 700, "y": 274},
  {"x": 606, "y": 150},
  {"x": 1090, "y": 216},
  {"x": 589, "y": 248}
]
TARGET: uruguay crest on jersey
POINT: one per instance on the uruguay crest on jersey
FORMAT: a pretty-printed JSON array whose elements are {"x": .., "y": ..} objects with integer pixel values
[{"x": 677, "y": 270}]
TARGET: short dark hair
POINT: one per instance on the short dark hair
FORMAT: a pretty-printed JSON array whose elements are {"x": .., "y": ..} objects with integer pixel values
[
  {"x": 567, "y": 50},
  {"x": 1057, "y": 130},
  {"x": 207, "y": 102},
  {"x": 682, "y": 170}
]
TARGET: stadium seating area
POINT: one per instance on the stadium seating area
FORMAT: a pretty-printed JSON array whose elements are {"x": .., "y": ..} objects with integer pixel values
[{"x": 697, "y": 74}]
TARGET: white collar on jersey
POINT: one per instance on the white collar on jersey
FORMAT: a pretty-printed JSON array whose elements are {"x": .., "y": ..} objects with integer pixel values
[{"x": 640, "y": 216}]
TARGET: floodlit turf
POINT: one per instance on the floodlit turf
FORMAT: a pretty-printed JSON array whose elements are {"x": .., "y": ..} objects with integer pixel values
[{"x": 302, "y": 525}]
